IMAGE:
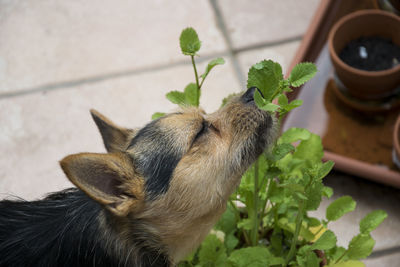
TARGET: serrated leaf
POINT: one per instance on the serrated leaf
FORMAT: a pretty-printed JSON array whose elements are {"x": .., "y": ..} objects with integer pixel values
[
  {"x": 211, "y": 65},
  {"x": 310, "y": 150},
  {"x": 347, "y": 264},
  {"x": 302, "y": 73},
  {"x": 176, "y": 97},
  {"x": 266, "y": 76},
  {"x": 360, "y": 247},
  {"x": 157, "y": 115},
  {"x": 189, "y": 42},
  {"x": 294, "y": 134},
  {"x": 326, "y": 241},
  {"x": 270, "y": 107},
  {"x": 251, "y": 256},
  {"x": 294, "y": 104},
  {"x": 279, "y": 151},
  {"x": 340, "y": 207},
  {"x": 314, "y": 192},
  {"x": 192, "y": 95},
  {"x": 307, "y": 258},
  {"x": 212, "y": 252},
  {"x": 372, "y": 220}
]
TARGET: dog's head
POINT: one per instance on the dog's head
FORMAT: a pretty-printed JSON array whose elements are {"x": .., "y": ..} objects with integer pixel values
[{"x": 178, "y": 171}]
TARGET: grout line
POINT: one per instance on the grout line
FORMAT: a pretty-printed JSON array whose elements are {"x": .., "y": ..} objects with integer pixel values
[
  {"x": 384, "y": 252},
  {"x": 103, "y": 77},
  {"x": 232, "y": 55},
  {"x": 268, "y": 44}
]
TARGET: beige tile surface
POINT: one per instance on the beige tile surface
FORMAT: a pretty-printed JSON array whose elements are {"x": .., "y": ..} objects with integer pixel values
[
  {"x": 259, "y": 21},
  {"x": 38, "y": 130},
  {"x": 283, "y": 54},
  {"x": 390, "y": 260},
  {"x": 52, "y": 41},
  {"x": 369, "y": 196}
]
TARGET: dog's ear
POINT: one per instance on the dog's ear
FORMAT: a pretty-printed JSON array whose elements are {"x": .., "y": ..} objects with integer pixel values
[
  {"x": 115, "y": 138},
  {"x": 108, "y": 179}
]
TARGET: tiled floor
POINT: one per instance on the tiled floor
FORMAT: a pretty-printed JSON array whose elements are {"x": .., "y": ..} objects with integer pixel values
[{"x": 60, "y": 58}]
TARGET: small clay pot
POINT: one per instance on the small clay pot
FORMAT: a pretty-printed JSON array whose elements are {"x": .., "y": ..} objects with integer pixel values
[
  {"x": 362, "y": 84},
  {"x": 396, "y": 143}
]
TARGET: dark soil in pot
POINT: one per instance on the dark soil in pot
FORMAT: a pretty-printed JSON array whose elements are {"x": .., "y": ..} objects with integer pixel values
[{"x": 372, "y": 53}]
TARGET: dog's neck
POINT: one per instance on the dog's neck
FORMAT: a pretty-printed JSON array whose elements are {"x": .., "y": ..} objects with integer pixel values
[{"x": 67, "y": 229}]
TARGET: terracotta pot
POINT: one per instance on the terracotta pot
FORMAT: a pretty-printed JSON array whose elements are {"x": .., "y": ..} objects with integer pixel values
[
  {"x": 396, "y": 143},
  {"x": 360, "y": 83}
]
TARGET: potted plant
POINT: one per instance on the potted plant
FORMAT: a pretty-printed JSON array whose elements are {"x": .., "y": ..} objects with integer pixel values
[
  {"x": 365, "y": 50},
  {"x": 267, "y": 221}
]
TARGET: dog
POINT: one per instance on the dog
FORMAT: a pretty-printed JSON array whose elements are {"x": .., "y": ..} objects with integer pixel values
[{"x": 150, "y": 200}]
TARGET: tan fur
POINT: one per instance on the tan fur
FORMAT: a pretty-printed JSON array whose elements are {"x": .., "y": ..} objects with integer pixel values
[{"x": 207, "y": 173}]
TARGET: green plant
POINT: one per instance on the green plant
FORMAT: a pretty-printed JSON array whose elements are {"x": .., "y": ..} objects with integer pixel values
[{"x": 267, "y": 221}]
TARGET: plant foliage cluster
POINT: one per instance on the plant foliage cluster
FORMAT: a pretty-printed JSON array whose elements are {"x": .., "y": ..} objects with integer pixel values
[{"x": 267, "y": 221}]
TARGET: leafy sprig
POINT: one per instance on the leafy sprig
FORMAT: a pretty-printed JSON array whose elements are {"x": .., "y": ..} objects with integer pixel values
[{"x": 272, "y": 225}]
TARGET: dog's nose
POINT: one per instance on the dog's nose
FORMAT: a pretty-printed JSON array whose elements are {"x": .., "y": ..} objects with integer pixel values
[{"x": 248, "y": 96}]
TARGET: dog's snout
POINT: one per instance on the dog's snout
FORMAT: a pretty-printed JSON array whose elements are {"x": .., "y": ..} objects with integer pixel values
[{"x": 248, "y": 96}]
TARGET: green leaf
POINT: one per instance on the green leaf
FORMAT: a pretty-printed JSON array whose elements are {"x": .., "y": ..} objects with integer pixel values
[
  {"x": 314, "y": 193},
  {"x": 294, "y": 134},
  {"x": 270, "y": 107},
  {"x": 189, "y": 42},
  {"x": 326, "y": 241},
  {"x": 258, "y": 99},
  {"x": 266, "y": 76},
  {"x": 372, "y": 220},
  {"x": 340, "y": 207},
  {"x": 176, "y": 97},
  {"x": 325, "y": 169},
  {"x": 212, "y": 252},
  {"x": 347, "y": 264},
  {"x": 212, "y": 64},
  {"x": 283, "y": 100},
  {"x": 246, "y": 224},
  {"x": 251, "y": 256},
  {"x": 327, "y": 191},
  {"x": 191, "y": 94},
  {"x": 310, "y": 150},
  {"x": 227, "y": 222},
  {"x": 279, "y": 151},
  {"x": 157, "y": 115},
  {"x": 360, "y": 247},
  {"x": 307, "y": 258},
  {"x": 302, "y": 73}
]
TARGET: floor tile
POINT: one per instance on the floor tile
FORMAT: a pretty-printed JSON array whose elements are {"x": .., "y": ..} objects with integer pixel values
[
  {"x": 38, "y": 130},
  {"x": 391, "y": 260},
  {"x": 283, "y": 54},
  {"x": 369, "y": 196},
  {"x": 259, "y": 21},
  {"x": 54, "y": 41}
]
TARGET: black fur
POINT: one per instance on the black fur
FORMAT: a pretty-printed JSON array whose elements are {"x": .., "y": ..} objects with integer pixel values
[
  {"x": 157, "y": 165},
  {"x": 63, "y": 230}
]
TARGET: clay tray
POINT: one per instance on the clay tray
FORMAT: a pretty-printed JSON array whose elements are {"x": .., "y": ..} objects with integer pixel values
[{"x": 358, "y": 143}]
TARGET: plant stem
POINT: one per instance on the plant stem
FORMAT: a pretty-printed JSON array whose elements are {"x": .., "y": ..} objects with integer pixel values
[
  {"x": 197, "y": 81},
  {"x": 254, "y": 236},
  {"x": 299, "y": 220},
  {"x": 237, "y": 216},
  {"x": 341, "y": 257}
]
